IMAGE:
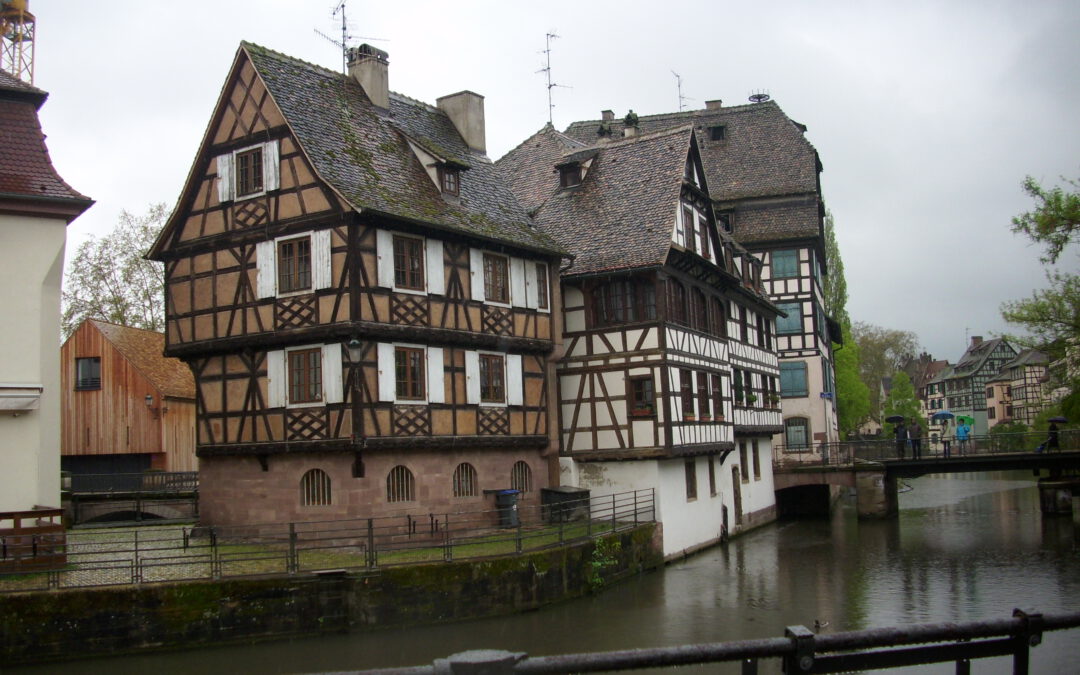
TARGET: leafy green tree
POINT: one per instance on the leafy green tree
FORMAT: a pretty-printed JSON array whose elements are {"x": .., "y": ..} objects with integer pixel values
[
  {"x": 1054, "y": 220},
  {"x": 882, "y": 352},
  {"x": 901, "y": 399},
  {"x": 852, "y": 395},
  {"x": 109, "y": 279},
  {"x": 835, "y": 285}
]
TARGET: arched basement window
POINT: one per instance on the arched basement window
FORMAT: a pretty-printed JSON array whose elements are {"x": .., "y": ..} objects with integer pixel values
[
  {"x": 315, "y": 488},
  {"x": 400, "y": 485}
]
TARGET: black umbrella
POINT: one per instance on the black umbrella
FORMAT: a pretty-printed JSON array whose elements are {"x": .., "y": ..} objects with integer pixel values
[
  {"x": 893, "y": 419},
  {"x": 1058, "y": 420}
]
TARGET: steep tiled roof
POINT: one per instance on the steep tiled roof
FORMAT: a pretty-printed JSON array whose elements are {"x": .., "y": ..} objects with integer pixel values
[
  {"x": 530, "y": 167},
  {"x": 622, "y": 214},
  {"x": 763, "y": 153},
  {"x": 26, "y": 170},
  {"x": 145, "y": 349},
  {"x": 975, "y": 356},
  {"x": 367, "y": 159}
]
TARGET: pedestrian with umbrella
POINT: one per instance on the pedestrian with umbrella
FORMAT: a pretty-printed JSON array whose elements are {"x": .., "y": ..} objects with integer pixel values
[
  {"x": 900, "y": 432},
  {"x": 963, "y": 435},
  {"x": 943, "y": 416},
  {"x": 1052, "y": 441}
]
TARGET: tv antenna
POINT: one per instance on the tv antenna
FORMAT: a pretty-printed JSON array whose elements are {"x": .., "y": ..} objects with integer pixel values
[
  {"x": 682, "y": 99},
  {"x": 759, "y": 96},
  {"x": 547, "y": 69},
  {"x": 343, "y": 44}
]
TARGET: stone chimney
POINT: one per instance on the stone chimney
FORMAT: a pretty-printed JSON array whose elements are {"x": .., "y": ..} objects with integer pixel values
[
  {"x": 714, "y": 105},
  {"x": 370, "y": 67},
  {"x": 607, "y": 116},
  {"x": 976, "y": 340},
  {"x": 466, "y": 110}
]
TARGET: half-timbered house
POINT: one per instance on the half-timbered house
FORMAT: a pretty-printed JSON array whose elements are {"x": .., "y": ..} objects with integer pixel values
[
  {"x": 764, "y": 181},
  {"x": 669, "y": 377},
  {"x": 965, "y": 386},
  {"x": 365, "y": 307},
  {"x": 126, "y": 407},
  {"x": 36, "y": 206}
]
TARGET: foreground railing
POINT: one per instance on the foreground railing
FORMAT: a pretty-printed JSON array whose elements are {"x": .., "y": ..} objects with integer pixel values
[
  {"x": 800, "y": 650},
  {"x": 149, "y": 482},
  {"x": 175, "y": 553},
  {"x": 932, "y": 447}
]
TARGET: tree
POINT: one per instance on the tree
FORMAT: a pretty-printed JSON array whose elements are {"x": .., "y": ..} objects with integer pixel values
[
  {"x": 882, "y": 351},
  {"x": 901, "y": 400},
  {"x": 852, "y": 394},
  {"x": 835, "y": 285},
  {"x": 109, "y": 279},
  {"x": 1055, "y": 219}
]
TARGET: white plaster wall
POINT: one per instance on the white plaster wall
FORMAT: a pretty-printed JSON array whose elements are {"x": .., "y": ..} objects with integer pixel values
[
  {"x": 31, "y": 268},
  {"x": 818, "y": 410},
  {"x": 688, "y": 524},
  {"x": 756, "y": 494}
]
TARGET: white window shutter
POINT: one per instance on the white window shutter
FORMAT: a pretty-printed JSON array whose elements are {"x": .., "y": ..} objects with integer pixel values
[
  {"x": 266, "y": 269},
  {"x": 476, "y": 273},
  {"x": 225, "y": 177},
  {"x": 331, "y": 373},
  {"x": 436, "y": 276},
  {"x": 387, "y": 384},
  {"x": 384, "y": 249},
  {"x": 530, "y": 285},
  {"x": 515, "y": 386},
  {"x": 517, "y": 282},
  {"x": 321, "y": 270},
  {"x": 271, "y": 164},
  {"x": 472, "y": 377},
  {"x": 436, "y": 380},
  {"x": 275, "y": 379}
]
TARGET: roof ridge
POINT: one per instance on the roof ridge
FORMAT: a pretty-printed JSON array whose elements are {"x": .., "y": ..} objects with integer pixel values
[
  {"x": 650, "y": 136},
  {"x": 120, "y": 325},
  {"x": 409, "y": 99},
  {"x": 697, "y": 112},
  {"x": 285, "y": 57}
]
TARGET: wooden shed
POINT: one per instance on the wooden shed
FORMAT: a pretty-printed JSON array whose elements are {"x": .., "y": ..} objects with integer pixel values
[{"x": 126, "y": 407}]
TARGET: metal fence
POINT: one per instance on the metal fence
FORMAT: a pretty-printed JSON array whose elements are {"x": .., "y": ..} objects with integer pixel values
[
  {"x": 800, "y": 650},
  {"x": 157, "y": 482},
  {"x": 180, "y": 553},
  {"x": 933, "y": 447}
]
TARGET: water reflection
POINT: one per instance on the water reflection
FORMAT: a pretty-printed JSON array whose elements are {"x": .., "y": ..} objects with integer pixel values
[{"x": 964, "y": 547}]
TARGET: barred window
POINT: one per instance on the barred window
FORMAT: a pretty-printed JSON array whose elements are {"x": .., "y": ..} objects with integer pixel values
[
  {"x": 400, "y": 485},
  {"x": 315, "y": 488},
  {"x": 465, "y": 484},
  {"x": 521, "y": 477}
]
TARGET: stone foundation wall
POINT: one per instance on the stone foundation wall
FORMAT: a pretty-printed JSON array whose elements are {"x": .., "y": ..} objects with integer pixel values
[{"x": 73, "y": 624}]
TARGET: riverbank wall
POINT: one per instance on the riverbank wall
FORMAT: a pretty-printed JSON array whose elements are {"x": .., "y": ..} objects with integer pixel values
[{"x": 80, "y": 623}]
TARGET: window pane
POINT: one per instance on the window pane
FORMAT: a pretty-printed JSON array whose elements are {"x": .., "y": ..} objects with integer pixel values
[
  {"x": 492, "y": 389},
  {"x": 793, "y": 378},
  {"x": 797, "y": 432},
  {"x": 305, "y": 376},
  {"x": 409, "y": 373},
  {"x": 249, "y": 178},
  {"x": 541, "y": 286},
  {"x": 409, "y": 263},
  {"x": 496, "y": 278},
  {"x": 88, "y": 373},
  {"x": 294, "y": 265}
]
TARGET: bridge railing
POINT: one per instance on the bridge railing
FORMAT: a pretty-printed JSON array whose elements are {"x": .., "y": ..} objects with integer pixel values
[
  {"x": 150, "y": 481},
  {"x": 932, "y": 447}
]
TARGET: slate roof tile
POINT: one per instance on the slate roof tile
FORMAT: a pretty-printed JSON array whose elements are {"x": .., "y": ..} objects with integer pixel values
[{"x": 366, "y": 157}]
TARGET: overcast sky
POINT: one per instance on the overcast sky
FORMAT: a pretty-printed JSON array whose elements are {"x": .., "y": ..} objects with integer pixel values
[{"x": 926, "y": 115}]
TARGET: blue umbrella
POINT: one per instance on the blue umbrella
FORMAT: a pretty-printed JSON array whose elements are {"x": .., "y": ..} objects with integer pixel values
[{"x": 942, "y": 415}]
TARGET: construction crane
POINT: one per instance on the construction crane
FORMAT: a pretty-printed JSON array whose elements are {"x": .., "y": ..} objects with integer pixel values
[{"x": 17, "y": 39}]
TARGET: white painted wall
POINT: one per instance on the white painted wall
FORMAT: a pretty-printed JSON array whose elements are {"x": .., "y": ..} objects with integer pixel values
[{"x": 31, "y": 268}]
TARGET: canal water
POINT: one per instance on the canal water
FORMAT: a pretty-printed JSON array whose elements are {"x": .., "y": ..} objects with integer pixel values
[{"x": 965, "y": 547}]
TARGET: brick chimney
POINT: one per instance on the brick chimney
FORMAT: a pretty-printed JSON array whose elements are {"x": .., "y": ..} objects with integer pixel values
[
  {"x": 370, "y": 67},
  {"x": 713, "y": 105},
  {"x": 607, "y": 116},
  {"x": 466, "y": 110},
  {"x": 976, "y": 340}
]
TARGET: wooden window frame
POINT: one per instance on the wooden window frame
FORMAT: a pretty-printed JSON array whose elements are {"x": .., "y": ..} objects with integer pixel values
[
  {"x": 543, "y": 296},
  {"x": 642, "y": 396},
  {"x": 744, "y": 466},
  {"x": 717, "y": 396},
  {"x": 686, "y": 393},
  {"x": 294, "y": 272},
  {"x": 703, "y": 396},
  {"x": 304, "y": 376},
  {"x": 496, "y": 278},
  {"x": 755, "y": 458},
  {"x": 450, "y": 179},
  {"x": 249, "y": 172},
  {"x": 688, "y": 227},
  {"x": 785, "y": 326},
  {"x": 410, "y": 373},
  {"x": 83, "y": 382},
  {"x": 703, "y": 239},
  {"x": 793, "y": 422},
  {"x": 699, "y": 313},
  {"x": 570, "y": 176},
  {"x": 409, "y": 262},
  {"x": 794, "y": 367},
  {"x": 676, "y": 305},
  {"x": 718, "y": 317},
  {"x": 712, "y": 476},
  {"x": 718, "y": 132},
  {"x": 492, "y": 378}
]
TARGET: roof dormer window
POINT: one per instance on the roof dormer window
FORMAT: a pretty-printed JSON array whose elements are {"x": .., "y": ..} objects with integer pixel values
[
  {"x": 450, "y": 179},
  {"x": 570, "y": 175},
  {"x": 718, "y": 132}
]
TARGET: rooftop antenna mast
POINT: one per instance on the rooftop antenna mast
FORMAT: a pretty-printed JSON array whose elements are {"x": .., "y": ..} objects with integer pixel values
[
  {"x": 343, "y": 45},
  {"x": 682, "y": 99},
  {"x": 547, "y": 69}
]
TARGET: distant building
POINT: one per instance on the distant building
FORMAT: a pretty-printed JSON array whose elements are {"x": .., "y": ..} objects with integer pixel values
[
  {"x": 965, "y": 387},
  {"x": 36, "y": 206},
  {"x": 1028, "y": 376},
  {"x": 127, "y": 408}
]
